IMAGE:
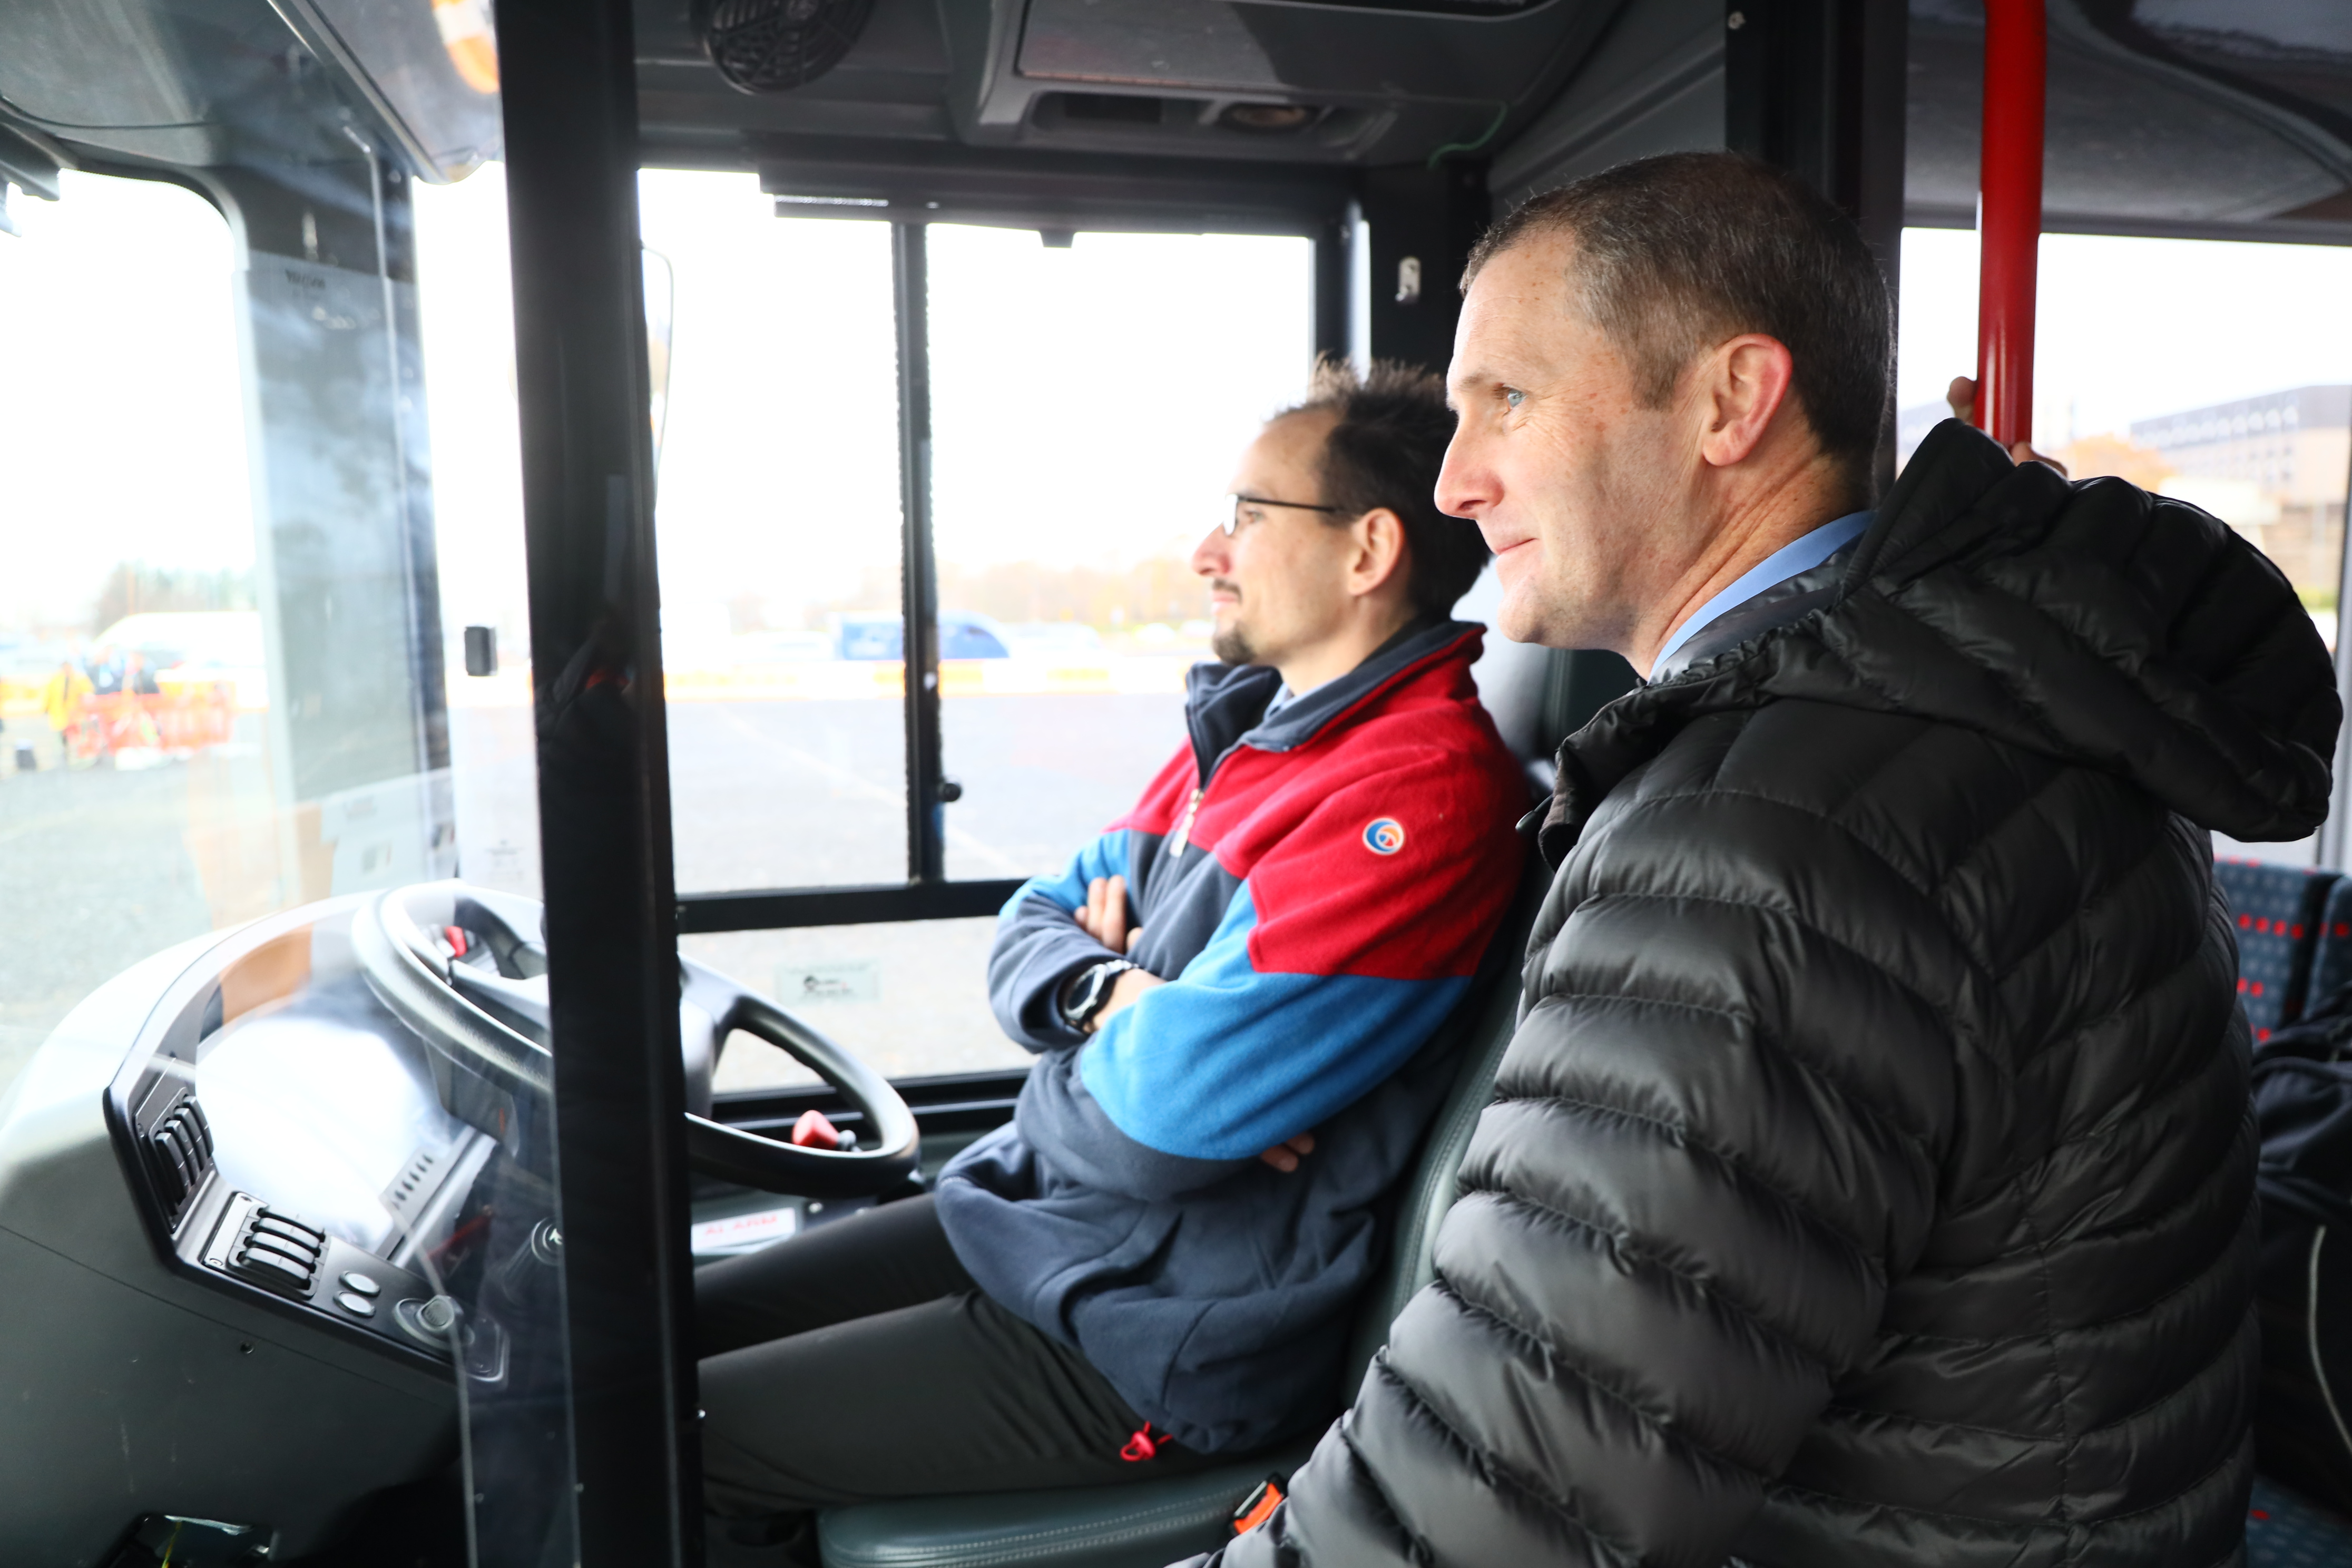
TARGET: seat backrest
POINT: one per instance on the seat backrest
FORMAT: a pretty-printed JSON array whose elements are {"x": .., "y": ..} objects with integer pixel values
[
  {"x": 2280, "y": 913},
  {"x": 2331, "y": 960},
  {"x": 1536, "y": 697},
  {"x": 1483, "y": 1023}
]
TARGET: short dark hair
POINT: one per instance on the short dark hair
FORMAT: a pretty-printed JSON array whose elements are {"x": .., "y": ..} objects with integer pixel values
[
  {"x": 1393, "y": 427},
  {"x": 1676, "y": 253}
]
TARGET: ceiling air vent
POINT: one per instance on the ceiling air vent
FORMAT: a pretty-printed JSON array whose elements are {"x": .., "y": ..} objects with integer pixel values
[
  {"x": 1433, "y": 7},
  {"x": 774, "y": 46},
  {"x": 1108, "y": 107},
  {"x": 1269, "y": 119}
]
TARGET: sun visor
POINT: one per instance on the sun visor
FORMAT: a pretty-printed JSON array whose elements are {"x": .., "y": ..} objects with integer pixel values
[{"x": 429, "y": 70}]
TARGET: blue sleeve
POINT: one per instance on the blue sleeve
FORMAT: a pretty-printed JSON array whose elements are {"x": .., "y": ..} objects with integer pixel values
[
  {"x": 1038, "y": 946},
  {"x": 1225, "y": 1061}
]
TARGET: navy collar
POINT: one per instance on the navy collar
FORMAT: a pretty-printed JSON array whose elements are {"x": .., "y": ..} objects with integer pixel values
[{"x": 1225, "y": 704}]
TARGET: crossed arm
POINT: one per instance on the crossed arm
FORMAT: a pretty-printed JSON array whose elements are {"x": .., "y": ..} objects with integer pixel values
[{"x": 1104, "y": 918}]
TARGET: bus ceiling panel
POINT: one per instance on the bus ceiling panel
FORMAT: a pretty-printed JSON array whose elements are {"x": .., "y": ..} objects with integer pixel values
[
  {"x": 31, "y": 161},
  {"x": 1655, "y": 83},
  {"x": 1011, "y": 188},
  {"x": 1233, "y": 80},
  {"x": 202, "y": 83},
  {"x": 1364, "y": 83},
  {"x": 2165, "y": 116},
  {"x": 1222, "y": 44},
  {"x": 123, "y": 76},
  {"x": 430, "y": 75}
]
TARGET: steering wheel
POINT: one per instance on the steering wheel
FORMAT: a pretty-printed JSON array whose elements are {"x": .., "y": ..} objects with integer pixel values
[{"x": 485, "y": 1011}]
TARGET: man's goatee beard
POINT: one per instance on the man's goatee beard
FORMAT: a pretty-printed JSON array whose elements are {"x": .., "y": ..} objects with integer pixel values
[{"x": 1230, "y": 644}]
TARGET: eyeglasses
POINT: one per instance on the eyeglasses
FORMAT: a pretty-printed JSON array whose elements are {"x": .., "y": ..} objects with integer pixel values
[{"x": 1232, "y": 518}]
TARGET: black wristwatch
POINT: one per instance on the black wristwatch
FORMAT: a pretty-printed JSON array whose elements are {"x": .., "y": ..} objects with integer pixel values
[{"x": 1084, "y": 993}]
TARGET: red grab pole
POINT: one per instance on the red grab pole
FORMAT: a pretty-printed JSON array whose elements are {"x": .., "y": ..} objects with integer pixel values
[{"x": 2009, "y": 216}]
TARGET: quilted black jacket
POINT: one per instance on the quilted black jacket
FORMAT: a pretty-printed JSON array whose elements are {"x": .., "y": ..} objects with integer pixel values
[{"x": 1871, "y": 1179}]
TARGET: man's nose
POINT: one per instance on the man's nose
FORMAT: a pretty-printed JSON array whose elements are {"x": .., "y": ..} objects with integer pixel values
[
  {"x": 1465, "y": 483},
  {"x": 1210, "y": 556}
]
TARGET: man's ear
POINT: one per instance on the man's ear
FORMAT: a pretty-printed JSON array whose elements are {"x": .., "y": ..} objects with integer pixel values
[
  {"x": 1379, "y": 550},
  {"x": 1741, "y": 386}
]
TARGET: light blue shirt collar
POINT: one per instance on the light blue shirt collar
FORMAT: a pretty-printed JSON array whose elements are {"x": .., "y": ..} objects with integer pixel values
[{"x": 1802, "y": 554}]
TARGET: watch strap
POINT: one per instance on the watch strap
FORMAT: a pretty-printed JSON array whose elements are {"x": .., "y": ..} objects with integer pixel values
[{"x": 1092, "y": 986}]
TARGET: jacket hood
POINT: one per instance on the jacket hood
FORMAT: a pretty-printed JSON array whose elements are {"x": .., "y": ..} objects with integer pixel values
[{"x": 2091, "y": 622}]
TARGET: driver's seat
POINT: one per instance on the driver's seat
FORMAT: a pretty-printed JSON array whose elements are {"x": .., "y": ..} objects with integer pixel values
[
  {"x": 1536, "y": 698},
  {"x": 1151, "y": 1523}
]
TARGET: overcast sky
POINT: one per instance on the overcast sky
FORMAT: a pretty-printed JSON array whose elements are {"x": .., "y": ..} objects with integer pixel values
[
  {"x": 2129, "y": 328},
  {"x": 1089, "y": 401}
]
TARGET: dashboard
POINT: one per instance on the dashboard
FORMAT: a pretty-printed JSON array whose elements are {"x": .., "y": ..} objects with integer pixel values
[{"x": 235, "y": 1223}]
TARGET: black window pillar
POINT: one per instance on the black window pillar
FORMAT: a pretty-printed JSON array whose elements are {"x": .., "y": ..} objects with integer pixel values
[
  {"x": 1422, "y": 224},
  {"x": 581, "y": 375},
  {"x": 919, "y": 591},
  {"x": 1332, "y": 272},
  {"x": 1817, "y": 87}
]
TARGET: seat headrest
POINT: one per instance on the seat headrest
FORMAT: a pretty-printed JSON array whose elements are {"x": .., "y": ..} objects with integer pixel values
[{"x": 1538, "y": 697}]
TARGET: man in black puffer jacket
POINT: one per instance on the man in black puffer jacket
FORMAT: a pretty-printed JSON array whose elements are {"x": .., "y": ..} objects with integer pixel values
[{"x": 1870, "y": 1181}]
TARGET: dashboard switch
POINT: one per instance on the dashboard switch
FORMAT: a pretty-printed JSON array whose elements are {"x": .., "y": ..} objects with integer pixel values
[
  {"x": 274, "y": 1269},
  {"x": 290, "y": 1228}
]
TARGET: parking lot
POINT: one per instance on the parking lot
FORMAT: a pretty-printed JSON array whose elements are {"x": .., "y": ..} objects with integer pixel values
[{"x": 99, "y": 867}]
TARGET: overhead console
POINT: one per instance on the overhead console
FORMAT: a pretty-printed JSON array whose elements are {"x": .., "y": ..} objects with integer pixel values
[
  {"x": 1353, "y": 81},
  {"x": 1216, "y": 82}
]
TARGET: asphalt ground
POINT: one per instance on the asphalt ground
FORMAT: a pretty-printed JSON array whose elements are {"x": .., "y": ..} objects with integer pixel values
[{"x": 96, "y": 869}]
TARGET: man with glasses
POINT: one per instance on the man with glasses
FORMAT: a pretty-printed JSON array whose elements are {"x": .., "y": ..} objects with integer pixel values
[{"x": 1229, "y": 992}]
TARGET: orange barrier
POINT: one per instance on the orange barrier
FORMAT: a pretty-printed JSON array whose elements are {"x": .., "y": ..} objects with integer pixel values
[{"x": 170, "y": 722}]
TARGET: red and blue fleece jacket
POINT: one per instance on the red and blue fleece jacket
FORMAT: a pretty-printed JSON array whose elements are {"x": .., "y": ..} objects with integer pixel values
[{"x": 1317, "y": 886}]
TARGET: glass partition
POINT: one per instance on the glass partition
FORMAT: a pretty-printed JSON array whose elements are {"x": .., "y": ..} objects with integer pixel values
[{"x": 265, "y": 546}]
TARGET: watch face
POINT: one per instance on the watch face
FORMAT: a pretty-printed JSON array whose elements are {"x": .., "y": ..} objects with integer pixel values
[
  {"x": 1095, "y": 989},
  {"x": 1090, "y": 992}
]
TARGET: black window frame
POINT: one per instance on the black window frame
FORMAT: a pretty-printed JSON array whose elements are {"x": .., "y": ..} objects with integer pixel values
[{"x": 911, "y": 190}]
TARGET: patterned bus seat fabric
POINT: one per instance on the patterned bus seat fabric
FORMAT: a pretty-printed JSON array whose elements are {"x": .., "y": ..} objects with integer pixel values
[
  {"x": 2277, "y": 910},
  {"x": 2286, "y": 1530},
  {"x": 2331, "y": 964}
]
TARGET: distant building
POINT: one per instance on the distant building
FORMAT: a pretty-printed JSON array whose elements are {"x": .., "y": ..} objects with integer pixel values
[
  {"x": 2274, "y": 468},
  {"x": 2295, "y": 447}
]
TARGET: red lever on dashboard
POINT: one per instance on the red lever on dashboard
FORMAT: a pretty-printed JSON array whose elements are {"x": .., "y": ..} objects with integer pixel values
[{"x": 814, "y": 1132}]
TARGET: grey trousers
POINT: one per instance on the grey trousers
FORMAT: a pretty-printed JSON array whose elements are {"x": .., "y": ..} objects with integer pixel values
[{"x": 859, "y": 1361}]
